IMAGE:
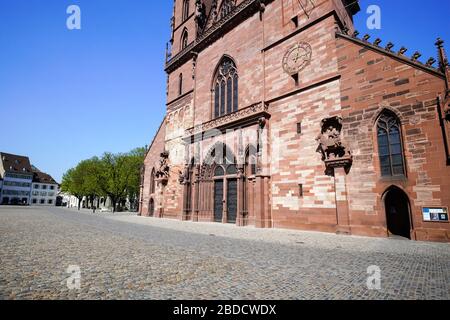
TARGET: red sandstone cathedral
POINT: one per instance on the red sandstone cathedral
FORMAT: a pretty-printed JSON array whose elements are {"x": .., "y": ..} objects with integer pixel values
[{"x": 279, "y": 115}]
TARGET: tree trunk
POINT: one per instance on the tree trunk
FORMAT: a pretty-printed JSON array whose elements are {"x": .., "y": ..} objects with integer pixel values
[
  {"x": 79, "y": 203},
  {"x": 114, "y": 202}
]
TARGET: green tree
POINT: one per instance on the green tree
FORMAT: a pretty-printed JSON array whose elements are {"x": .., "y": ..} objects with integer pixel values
[
  {"x": 91, "y": 170},
  {"x": 116, "y": 176},
  {"x": 136, "y": 161},
  {"x": 73, "y": 183}
]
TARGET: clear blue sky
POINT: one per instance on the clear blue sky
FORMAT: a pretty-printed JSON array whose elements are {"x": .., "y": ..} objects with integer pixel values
[{"x": 69, "y": 95}]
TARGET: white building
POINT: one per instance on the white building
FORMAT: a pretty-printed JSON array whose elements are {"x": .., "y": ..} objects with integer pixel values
[
  {"x": 17, "y": 179},
  {"x": 44, "y": 190},
  {"x": 68, "y": 200}
]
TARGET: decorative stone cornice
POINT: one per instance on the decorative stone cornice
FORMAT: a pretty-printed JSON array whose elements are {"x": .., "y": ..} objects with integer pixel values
[
  {"x": 254, "y": 111},
  {"x": 244, "y": 10}
]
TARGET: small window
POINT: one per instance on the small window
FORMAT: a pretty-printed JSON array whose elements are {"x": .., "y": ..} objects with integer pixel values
[
  {"x": 295, "y": 21},
  {"x": 299, "y": 128},
  {"x": 300, "y": 190},
  {"x": 295, "y": 77},
  {"x": 36, "y": 186},
  {"x": 180, "y": 84},
  {"x": 52, "y": 187},
  {"x": 34, "y": 201},
  {"x": 50, "y": 201},
  {"x": 42, "y": 201},
  {"x": 44, "y": 187}
]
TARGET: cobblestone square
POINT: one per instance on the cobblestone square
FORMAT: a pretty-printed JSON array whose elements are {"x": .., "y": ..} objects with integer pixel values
[{"x": 122, "y": 256}]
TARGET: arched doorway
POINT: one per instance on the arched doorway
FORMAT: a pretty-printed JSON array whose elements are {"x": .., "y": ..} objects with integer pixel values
[
  {"x": 225, "y": 193},
  {"x": 222, "y": 165},
  {"x": 151, "y": 210},
  {"x": 398, "y": 217}
]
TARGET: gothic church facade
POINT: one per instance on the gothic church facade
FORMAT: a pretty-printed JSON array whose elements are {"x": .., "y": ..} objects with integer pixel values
[{"x": 280, "y": 116}]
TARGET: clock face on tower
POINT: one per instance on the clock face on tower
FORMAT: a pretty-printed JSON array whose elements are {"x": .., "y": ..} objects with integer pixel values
[{"x": 297, "y": 58}]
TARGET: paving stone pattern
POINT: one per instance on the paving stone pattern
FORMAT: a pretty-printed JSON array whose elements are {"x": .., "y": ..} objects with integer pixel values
[{"x": 122, "y": 256}]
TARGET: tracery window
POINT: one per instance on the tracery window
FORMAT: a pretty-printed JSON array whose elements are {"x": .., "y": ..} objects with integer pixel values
[
  {"x": 226, "y": 90},
  {"x": 390, "y": 145}
]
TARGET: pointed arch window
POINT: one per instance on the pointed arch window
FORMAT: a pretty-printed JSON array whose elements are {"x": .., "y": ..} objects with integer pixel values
[
  {"x": 225, "y": 88},
  {"x": 184, "y": 39},
  {"x": 152, "y": 182},
  {"x": 390, "y": 147},
  {"x": 185, "y": 9}
]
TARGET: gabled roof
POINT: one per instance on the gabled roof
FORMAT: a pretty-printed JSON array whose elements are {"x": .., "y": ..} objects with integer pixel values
[
  {"x": 15, "y": 164},
  {"x": 41, "y": 177},
  {"x": 154, "y": 137}
]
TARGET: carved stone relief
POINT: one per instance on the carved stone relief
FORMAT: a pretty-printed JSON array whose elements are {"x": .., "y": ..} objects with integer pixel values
[{"x": 335, "y": 152}]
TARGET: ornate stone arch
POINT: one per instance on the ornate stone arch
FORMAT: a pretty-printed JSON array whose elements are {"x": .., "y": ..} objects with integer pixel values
[
  {"x": 216, "y": 69},
  {"x": 211, "y": 155},
  {"x": 383, "y": 108}
]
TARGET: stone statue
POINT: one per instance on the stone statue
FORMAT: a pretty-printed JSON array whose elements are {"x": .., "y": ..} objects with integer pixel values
[
  {"x": 200, "y": 16},
  {"x": 214, "y": 11},
  {"x": 331, "y": 144},
  {"x": 163, "y": 171},
  {"x": 183, "y": 176}
]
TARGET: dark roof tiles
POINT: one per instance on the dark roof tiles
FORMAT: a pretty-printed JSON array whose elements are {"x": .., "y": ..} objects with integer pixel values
[{"x": 15, "y": 164}]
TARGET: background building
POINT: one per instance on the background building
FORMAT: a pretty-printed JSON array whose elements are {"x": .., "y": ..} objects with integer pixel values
[
  {"x": 17, "y": 178},
  {"x": 279, "y": 115},
  {"x": 44, "y": 189}
]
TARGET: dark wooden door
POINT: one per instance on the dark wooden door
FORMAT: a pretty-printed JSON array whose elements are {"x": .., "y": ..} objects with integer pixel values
[
  {"x": 232, "y": 201},
  {"x": 397, "y": 214},
  {"x": 218, "y": 200},
  {"x": 152, "y": 208}
]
